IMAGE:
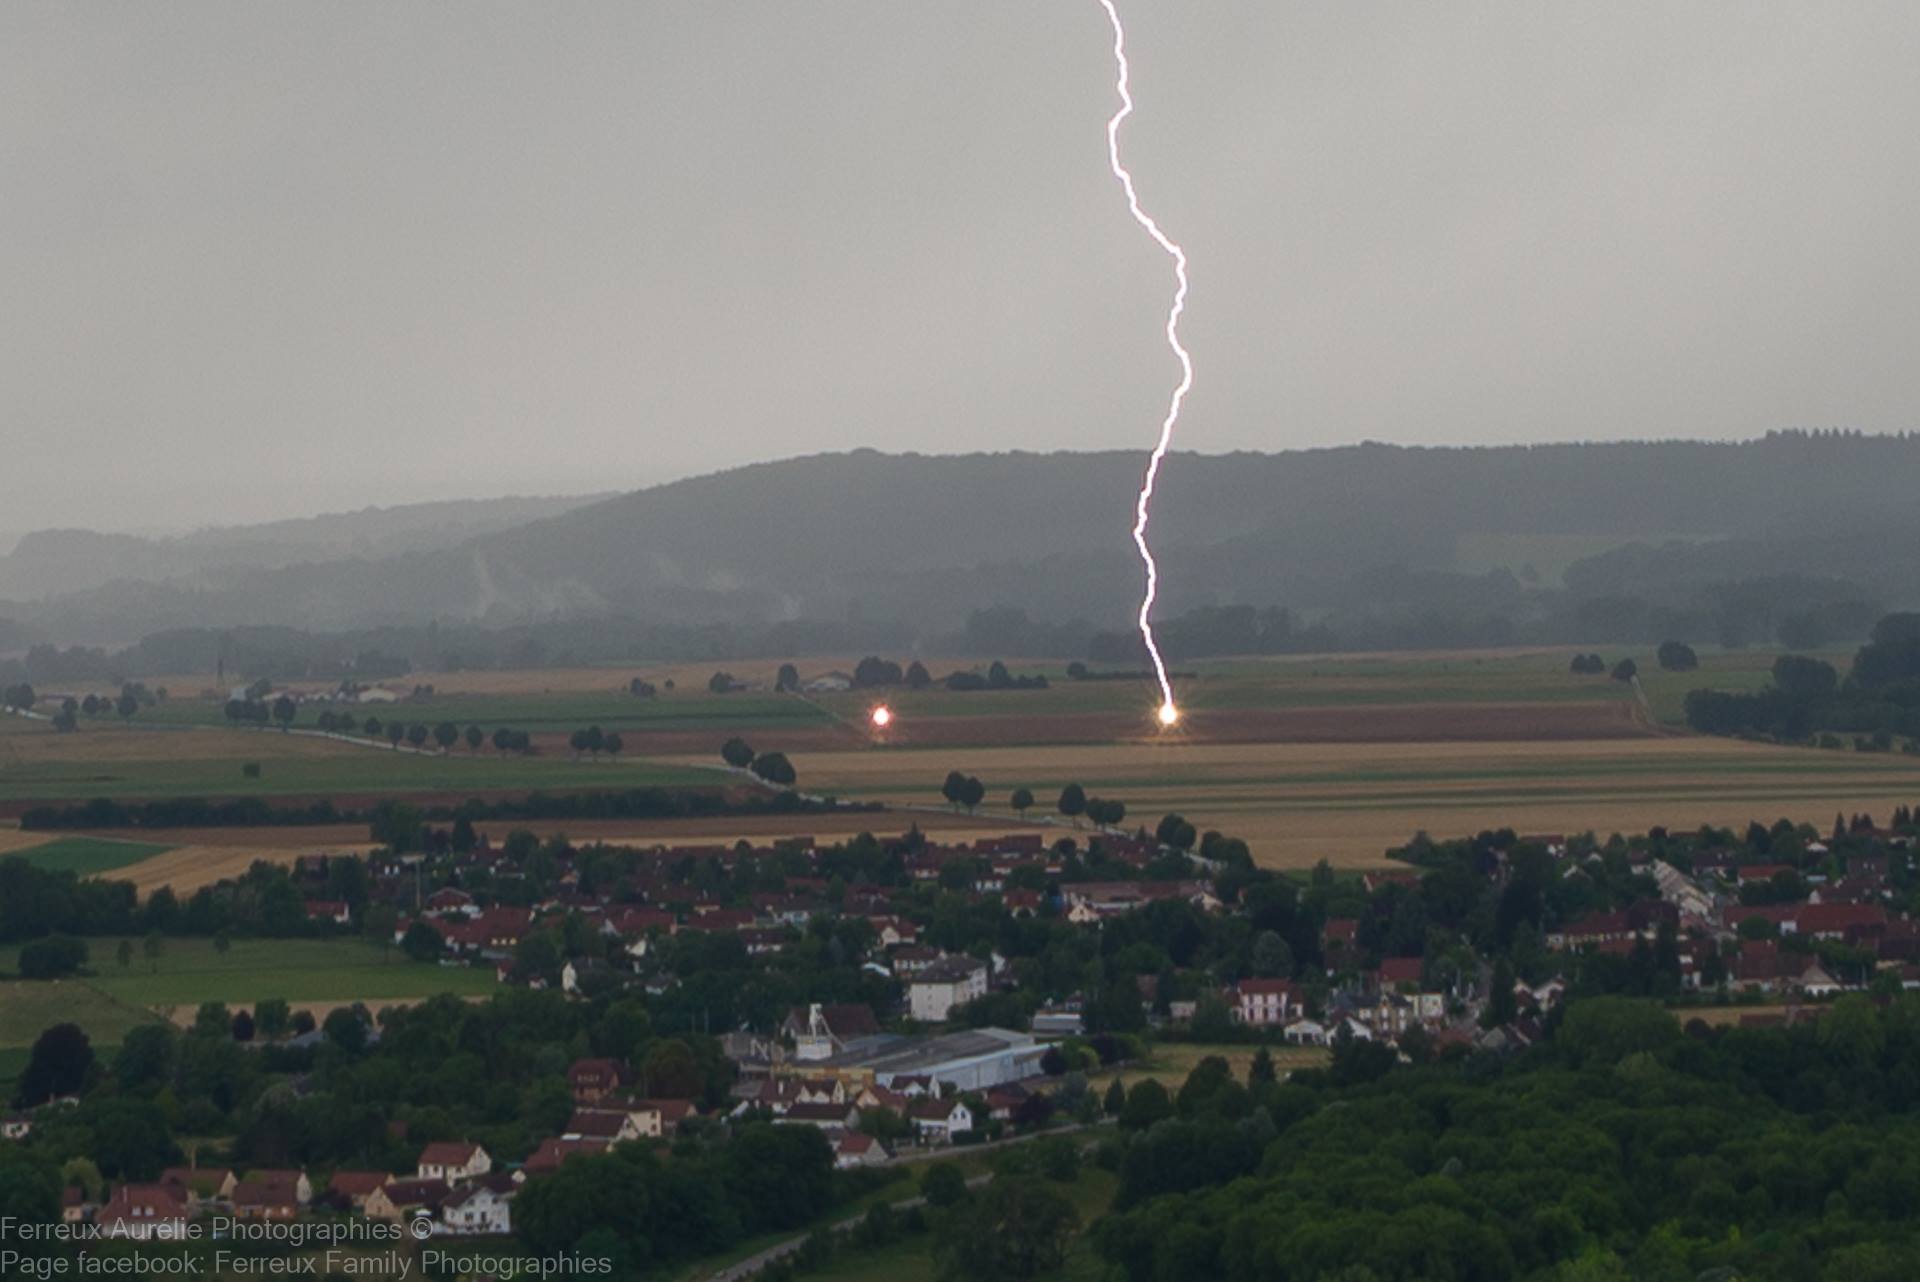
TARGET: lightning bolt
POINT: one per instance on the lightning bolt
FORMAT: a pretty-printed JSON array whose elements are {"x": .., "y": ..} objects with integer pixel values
[{"x": 1169, "y": 712}]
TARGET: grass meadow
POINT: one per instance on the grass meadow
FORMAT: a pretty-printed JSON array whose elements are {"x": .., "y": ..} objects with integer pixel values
[{"x": 113, "y": 999}]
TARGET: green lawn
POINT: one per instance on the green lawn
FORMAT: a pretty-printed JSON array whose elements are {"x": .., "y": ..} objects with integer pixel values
[
  {"x": 191, "y": 971},
  {"x": 90, "y": 855}
]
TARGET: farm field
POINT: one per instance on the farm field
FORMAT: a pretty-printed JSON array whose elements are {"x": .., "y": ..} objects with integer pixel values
[
  {"x": 133, "y": 764},
  {"x": 27, "y": 1007},
  {"x": 1298, "y": 803},
  {"x": 311, "y": 974},
  {"x": 89, "y": 856},
  {"x": 1305, "y": 756},
  {"x": 190, "y": 971}
]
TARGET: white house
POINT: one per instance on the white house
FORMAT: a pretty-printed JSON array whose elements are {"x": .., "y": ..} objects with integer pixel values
[
  {"x": 949, "y": 982},
  {"x": 1265, "y": 1002},
  {"x": 937, "y": 1121},
  {"x": 1305, "y": 1032},
  {"x": 477, "y": 1208},
  {"x": 855, "y": 1149}
]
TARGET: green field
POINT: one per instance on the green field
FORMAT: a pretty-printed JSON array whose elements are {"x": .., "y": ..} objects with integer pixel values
[
  {"x": 88, "y": 856},
  {"x": 534, "y": 711},
  {"x": 341, "y": 769},
  {"x": 191, "y": 971},
  {"x": 1738, "y": 671},
  {"x": 1535, "y": 675},
  {"x": 30, "y": 1007}
]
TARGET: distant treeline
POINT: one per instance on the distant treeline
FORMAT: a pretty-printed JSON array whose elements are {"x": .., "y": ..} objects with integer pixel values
[
  {"x": 293, "y": 654},
  {"x": 1081, "y": 672},
  {"x": 253, "y": 812},
  {"x": 1879, "y": 698}
]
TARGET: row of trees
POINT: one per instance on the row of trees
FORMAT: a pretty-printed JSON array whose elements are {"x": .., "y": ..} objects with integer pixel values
[
  {"x": 773, "y": 767},
  {"x": 593, "y": 741},
  {"x": 1673, "y": 656},
  {"x": 445, "y": 736},
  {"x": 964, "y": 790}
]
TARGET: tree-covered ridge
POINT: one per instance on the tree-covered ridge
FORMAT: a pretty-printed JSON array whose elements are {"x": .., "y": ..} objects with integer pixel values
[
  {"x": 1672, "y": 538},
  {"x": 1624, "y": 1148}
]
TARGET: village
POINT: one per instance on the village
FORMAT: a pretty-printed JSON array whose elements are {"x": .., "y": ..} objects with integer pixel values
[{"x": 967, "y": 1033}]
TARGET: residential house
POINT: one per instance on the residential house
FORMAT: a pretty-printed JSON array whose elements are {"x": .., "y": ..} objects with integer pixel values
[
  {"x": 329, "y": 910},
  {"x": 950, "y": 982},
  {"x": 354, "y": 1187},
  {"x": 828, "y": 1117},
  {"x": 453, "y": 1161},
  {"x": 603, "y": 1124},
  {"x": 1263, "y": 1003},
  {"x": 938, "y": 1121},
  {"x": 197, "y": 1186},
  {"x": 854, "y": 1150},
  {"x": 478, "y": 1208},
  {"x": 593, "y": 1079},
  {"x": 892, "y": 931},
  {"x": 267, "y": 1195},
  {"x": 143, "y": 1213},
  {"x": 291, "y": 1183},
  {"x": 1305, "y": 1032},
  {"x": 551, "y": 1153},
  {"x": 399, "y": 1199},
  {"x": 909, "y": 960},
  {"x": 1002, "y": 1101},
  {"x": 1339, "y": 942}
]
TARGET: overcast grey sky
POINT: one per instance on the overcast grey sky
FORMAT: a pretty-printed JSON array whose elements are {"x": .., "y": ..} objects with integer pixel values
[{"x": 266, "y": 260}]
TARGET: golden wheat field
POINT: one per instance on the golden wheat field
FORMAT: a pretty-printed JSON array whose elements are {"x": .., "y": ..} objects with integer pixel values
[
  {"x": 1304, "y": 756},
  {"x": 1299, "y": 803}
]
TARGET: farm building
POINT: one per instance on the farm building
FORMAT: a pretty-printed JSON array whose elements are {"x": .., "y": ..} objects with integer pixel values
[{"x": 967, "y": 1061}]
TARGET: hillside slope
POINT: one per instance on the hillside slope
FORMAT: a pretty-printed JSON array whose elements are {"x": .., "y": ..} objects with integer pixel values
[{"x": 929, "y": 539}]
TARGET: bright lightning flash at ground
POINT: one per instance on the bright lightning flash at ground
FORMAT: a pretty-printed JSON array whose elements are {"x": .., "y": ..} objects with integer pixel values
[
  {"x": 882, "y": 717},
  {"x": 1169, "y": 711}
]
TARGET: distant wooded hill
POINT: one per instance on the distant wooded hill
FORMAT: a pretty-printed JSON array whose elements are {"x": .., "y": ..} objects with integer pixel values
[{"x": 1369, "y": 544}]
